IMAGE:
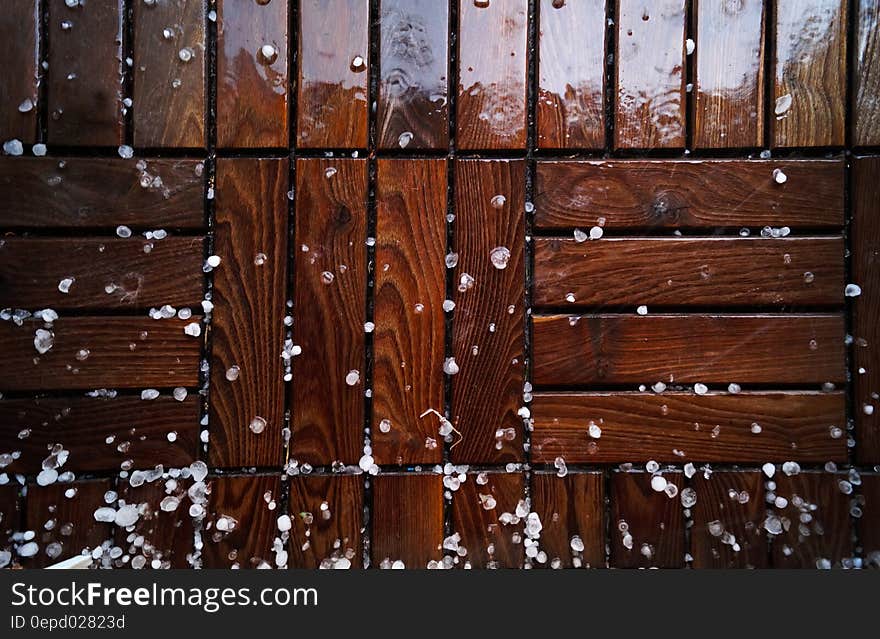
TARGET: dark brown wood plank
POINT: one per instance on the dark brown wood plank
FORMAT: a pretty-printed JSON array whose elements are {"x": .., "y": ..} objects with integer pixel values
[
  {"x": 251, "y": 525},
  {"x": 102, "y": 192},
  {"x": 866, "y": 74},
  {"x": 492, "y": 74},
  {"x": 326, "y": 513},
  {"x": 809, "y": 67},
  {"x": 652, "y": 520},
  {"x": 677, "y": 427},
  {"x": 571, "y": 508},
  {"x": 407, "y": 520},
  {"x": 413, "y": 111},
  {"x": 720, "y": 271},
  {"x": 487, "y": 330},
  {"x": 865, "y": 265},
  {"x": 571, "y": 75},
  {"x": 252, "y": 74},
  {"x": 333, "y": 73},
  {"x": 409, "y": 345},
  {"x": 628, "y": 194},
  {"x": 160, "y": 535},
  {"x": 330, "y": 301},
  {"x": 10, "y": 520},
  {"x": 729, "y": 78},
  {"x": 19, "y": 57},
  {"x": 728, "y": 504},
  {"x": 621, "y": 349},
  {"x": 94, "y": 352},
  {"x": 106, "y": 272},
  {"x": 650, "y": 110},
  {"x": 477, "y": 510},
  {"x": 250, "y": 288},
  {"x": 869, "y": 524},
  {"x": 85, "y": 74},
  {"x": 169, "y": 74}
]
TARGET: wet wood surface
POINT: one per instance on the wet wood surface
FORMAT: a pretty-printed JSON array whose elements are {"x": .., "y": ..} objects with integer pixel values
[
  {"x": 162, "y": 536},
  {"x": 653, "y": 521},
  {"x": 19, "y": 57},
  {"x": 326, "y": 513},
  {"x": 866, "y": 74},
  {"x": 869, "y": 527},
  {"x": 571, "y": 508},
  {"x": 477, "y": 512},
  {"x": 407, "y": 521}
]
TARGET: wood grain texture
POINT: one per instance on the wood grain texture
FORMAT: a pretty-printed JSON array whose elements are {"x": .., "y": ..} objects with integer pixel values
[
  {"x": 158, "y": 536},
  {"x": 101, "y": 192},
  {"x": 250, "y": 287},
  {"x": 650, "y": 110},
  {"x": 865, "y": 271},
  {"x": 407, "y": 519},
  {"x": 827, "y": 533},
  {"x": 100, "y": 434},
  {"x": 653, "y": 520},
  {"x": 85, "y": 74},
  {"x": 866, "y": 74},
  {"x": 492, "y": 75},
  {"x": 729, "y": 504},
  {"x": 571, "y": 75},
  {"x": 409, "y": 344},
  {"x": 569, "y": 507},
  {"x": 333, "y": 73},
  {"x": 330, "y": 305},
  {"x": 729, "y": 74},
  {"x": 169, "y": 91},
  {"x": 19, "y": 57},
  {"x": 477, "y": 510},
  {"x": 242, "y": 499},
  {"x": 682, "y": 272},
  {"x": 487, "y": 329},
  {"x": 123, "y": 352},
  {"x": 10, "y": 520},
  {"x": 809, "y": 66},
  {"x": 628, "y": 194},
  {"x": 138, "y": 273},
  {"x": 327, "y": 512},
  {"x": 677, "y": 427},
  {"x": 252, "y": 89},
  {"x": 621, "y": 349},
  {"x": 413, "y": 86},
  {"x": 869, "y": 524}
]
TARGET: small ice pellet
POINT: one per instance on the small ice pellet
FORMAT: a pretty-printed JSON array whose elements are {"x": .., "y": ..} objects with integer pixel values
[
  {"x": 498, "y": 201},
  {"x": 500, "y": 256},
  {"x": 126, "y": 152},
  {"x": 385, "y": 426},
  {"x": 658, "y": 483},
  {"x": 642, "y": 310},
  {"x": 13, "y": 147},
  {"x": 39, "y": 149},
  {"x": 690, "y": 45},
  {"x": 596, "y": 232},
  {"x": 580, "y": 236},
  {"x": 179, "y": 393},
  {"x": 450, "y": 366},
  {"x": 448, "y": 305},
  {"x": 123, "y": 231},
  {"x": 404, "y": 139},
  {"x": 268, "y": 51},
  {"x": 353, "y": 377},
  {"x": 149, "y": 394},
  {"x": 569, "y": 297},
  {"x": 783, "y": 104},
  {"x": 369, "y": 327},
  {"x": 65, "y": 284},
  {"x": 852, "y": 290},
  {"x": 769, "y": 470},
  {"x": 700, "y": 389},
  {"x": 214, "y": 261},
  {"x": 193, "y": 329},
  {"x": 595, "y": 431},
  {"x": 779, "y": 177},
  {"x": 358, "y": 63},
  {"x": 257, "y": 425},
  {"x": 185, "y": 54},
  {"x": 26, "y": 105}
]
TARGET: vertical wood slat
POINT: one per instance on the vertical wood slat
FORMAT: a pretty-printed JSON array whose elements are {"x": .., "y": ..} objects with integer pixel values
[
  {"x": 569, "y": 507},
  {"x": 333, "y": 74},
  {"x": 477, "y": 511},
  {"x": 250, "y": 287},
  {"x": 329, "y": 306},
  {"x": 408, "y": 312},
  {"x": 252, "y": 87},
  {"x": 488, "y": 325},
  {"x": 19, "y": 58},
  {"x": 407, "y": 520},
  {"x": 10, "y": 519},
  {"x": 650, "y": 110},
  {"x": 158, "y": 535},
  {"x": 866, "y": 74},
  {"x": 869, "y": 524}
]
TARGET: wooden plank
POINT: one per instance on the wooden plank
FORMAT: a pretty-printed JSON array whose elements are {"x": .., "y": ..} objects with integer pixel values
[
  {"x": 409, "y": 346},
  {"x": 866, "y": 75},
  {"x": 250, "y": 288},
  {"x": 492, "y": 74},
  {"x": 809, "y": 66},
  {"x": 106, "y": 272},
  {"x": 413, "y": 87},
  {"x": 682, "y": 272},
  {"x": 19, "y": 56},
  {"x": 333, "y": 73},
  {"x": 869, "y": 524},
  {"x": 477, "y": 512},
  {"x": 753, "y": 349},
  {"x": 245, "y": 506},
  {"x": 160, "y": 535},
  {"x": 487, "y": 331},
  {"x": 100, "y": 434},
  {"x": 101, "y": 192},
  {"x": 407, "y": 520},
  {"x": 94, "y": 352},
  {"x": 650, "y": 110},
  {"x": 728, "y": 530},
  {"x": 169, "y": 74},
  {"x": 252, "y": 74},
  {"x": 865, "y": 265},
  {"x": 85, "y": 74},
  {"x": 10, "y": 519},
  {"x": 647, "y": 527},
  {"x": 330, "y": 296},
  {"x": 729, "y": 77},
  {"x": 571, "y": 508},
  {"x": 326, "y": 512},
  {"x": 631, "y": 194},
  {"x": 825, "y": 535},
  {"x": 72, "y": 529},
  {"x": 571, "y": 75}
]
